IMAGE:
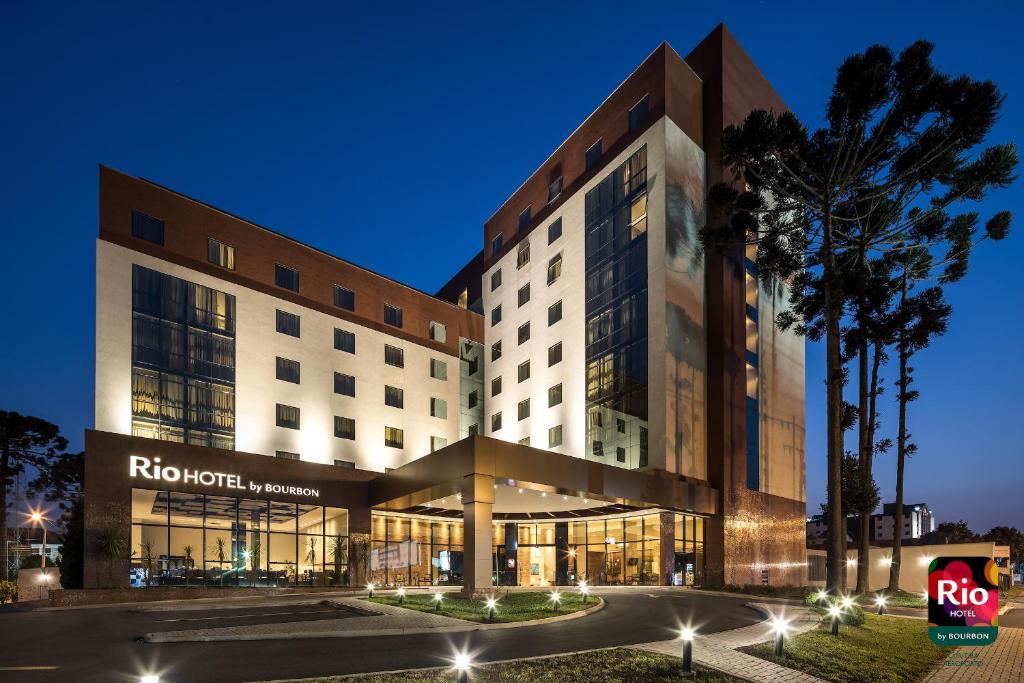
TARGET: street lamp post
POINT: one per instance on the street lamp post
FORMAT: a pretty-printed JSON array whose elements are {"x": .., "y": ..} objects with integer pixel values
[{"x": 39, "y": 520}]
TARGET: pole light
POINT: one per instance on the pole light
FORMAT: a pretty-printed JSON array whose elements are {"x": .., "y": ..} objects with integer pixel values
[
  {"x": 38, "y": 519},
  {"x": 462, "y": 664},
  {"x": 686, "y": 635},
  {"x": 835, "y": 613},
  {"x": 556, "y": 597},
  {"x": 401, "y": 594},
  {"x": 491, "y": 604},
  {"x": 880, "y": 603},
  {"x": 369, "y": 589},
  {"x": 584, "y": 589},
  {"x": 437, "y": 601}
]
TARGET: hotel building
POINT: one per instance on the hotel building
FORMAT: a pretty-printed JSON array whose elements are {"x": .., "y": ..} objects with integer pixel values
[{"x": 591, "y": 396}]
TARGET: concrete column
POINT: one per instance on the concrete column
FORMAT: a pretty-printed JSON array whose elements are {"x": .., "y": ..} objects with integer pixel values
[
  {"x": 477, "y": 507},
  {"x": 667, "y": 561}
]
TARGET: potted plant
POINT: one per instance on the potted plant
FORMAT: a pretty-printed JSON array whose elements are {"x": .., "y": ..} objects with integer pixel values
[{"x": 187, "y": 550}]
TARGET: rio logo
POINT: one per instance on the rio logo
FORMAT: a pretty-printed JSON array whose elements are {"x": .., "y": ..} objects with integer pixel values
[{"x": 963, "y": 601}]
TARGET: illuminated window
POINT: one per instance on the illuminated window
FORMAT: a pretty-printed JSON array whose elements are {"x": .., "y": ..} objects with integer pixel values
[
  {"x": 523, "y": 254},
  {"x": 555, "y": 436},
  {"x": 394, "y": 437},
  {"x": 221, "y": 254},
  {"x": 638, "y": 217},
  {"x": 554, "y": 268}
]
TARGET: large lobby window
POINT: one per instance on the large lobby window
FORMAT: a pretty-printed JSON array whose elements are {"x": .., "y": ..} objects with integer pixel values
[
  {"x": 411, "y": 551},
  {"x": 181, "y": 539},
  {"x": 183, "y": 361}
]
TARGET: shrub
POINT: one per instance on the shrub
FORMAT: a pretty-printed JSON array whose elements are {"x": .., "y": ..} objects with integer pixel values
[{"x": 8, "y": 591}]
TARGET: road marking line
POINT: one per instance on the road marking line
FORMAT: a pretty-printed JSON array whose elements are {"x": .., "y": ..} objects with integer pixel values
[{"x": 249, "y": 616}]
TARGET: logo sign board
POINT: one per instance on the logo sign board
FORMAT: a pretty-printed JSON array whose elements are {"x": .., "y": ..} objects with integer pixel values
[
  {"x": 152, "y": 469},
  {"x": 963, "y": 601}
]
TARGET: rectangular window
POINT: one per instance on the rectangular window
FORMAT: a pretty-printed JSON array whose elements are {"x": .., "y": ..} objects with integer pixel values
[
  {"x": 344, "y": 340},
  {"x": 474, "y": 429},
  {"x": 285, "y": 277},
  {"x": 437, "y": 443},
  {"x": 394, "y": 437},
  {"x": 554, "y": 395},
  {"x": 555, "y": 354},
  {"x": 439, "y": 408},
  {"x": 525, "y": 441},
  {"x": 524, "y": 333},
  {"x": 221, "y": 254},
  {"x": 438, "y": 369},
  {"x": 524, "y": 371},
  {"x": 394, "y": 356},
  {"x": 344, "y": 384},
  {"x": 496, "y": 315},
  {"x": 497, "y": 243},
  {"x": 638, "y": 113},
  {"x": 620, "y": 454},
  {"x": 554, "y": 312},
  {"x": 524, "y": 294},
  {"x": 524, "y": 219},
  {"x": 555, "y": 230},
  {"x": 554, "y": 268},
  {"x": 394, "y": 397},
  {"x": 392, "y": 315},
  {"x": 594, "y": 155},
  {"x": 344, "y": 298},
  {"x": 438, "y": 332},
  {"x": 287, "y": 323},
  {"x": 555, "y": 436},
  {"x": 524, "y": 409},
  {"x": 147, "y": 228},
  {"x": 523, "y": 254},
  {"x": 495, "y": 422},
  {"x": 495, "y": 386},
  {"x": 496, "y": 279},
  {"x": 472, "y": 399},
  {"x": 495, "y": 351},
  {"x": 638, "y": 217},
  {"x": 620, "y": 425},
  {"x": 344, "y": 427},
  {"x": 287, "y": 416},
  {"x": 347, "y": 464},
  {"x": 555, "y": 189},
  {"x": 288, "y": 370},
  {"x": 287, "y": 455},
  {"x": 599, "y": 449}
]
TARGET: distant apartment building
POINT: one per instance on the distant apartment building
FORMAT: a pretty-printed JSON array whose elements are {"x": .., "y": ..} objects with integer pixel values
[{"x": 918, "y": 520}]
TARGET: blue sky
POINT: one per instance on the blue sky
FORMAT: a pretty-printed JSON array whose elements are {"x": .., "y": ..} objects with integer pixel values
[{"x": 387, "y": 134}]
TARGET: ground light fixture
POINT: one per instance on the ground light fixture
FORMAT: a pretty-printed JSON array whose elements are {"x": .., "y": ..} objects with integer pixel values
[
  {"x": 835, "y": 612},
  {"x": 880, "y": 603},
  {"x": 847, "y": 603},
  {"x": 686, "y": 635},
  {"x": 556, "y": 597},
  {"x": 461, "y": 665},
  {"x": 369, "y": 589},
  {"x": 491, "y": 604},
  {"x": 584, "y": 589},
  {"x": 437, "y": 601},
  {"x": 401, "y": 594},
  {"x": 780, "y": 627},
  {"x": 822, "y": 596},
  {"x": 149, "y": 678}
]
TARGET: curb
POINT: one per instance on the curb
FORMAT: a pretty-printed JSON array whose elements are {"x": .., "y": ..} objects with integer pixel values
[{"x": 180, "y": 637}]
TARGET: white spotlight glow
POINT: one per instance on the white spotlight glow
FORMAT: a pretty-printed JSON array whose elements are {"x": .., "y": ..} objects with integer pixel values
[{"x": 687, "y": 633}]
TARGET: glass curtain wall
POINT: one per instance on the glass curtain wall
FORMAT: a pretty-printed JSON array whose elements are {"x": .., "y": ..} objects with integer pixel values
[
  {"x": 183, "y": 539},
  {"x": 616, "y": 316},
  {"x": 412, "y": 551}
]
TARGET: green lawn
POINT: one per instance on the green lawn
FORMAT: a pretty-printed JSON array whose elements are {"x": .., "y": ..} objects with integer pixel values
[
  {"x": 897, "y": 599},
  {"x": 511, "y": 606},
  {"x": 788, "y": 592},
  {"x": 603, "y": 666},
  {"x": 883, "y": 650}
]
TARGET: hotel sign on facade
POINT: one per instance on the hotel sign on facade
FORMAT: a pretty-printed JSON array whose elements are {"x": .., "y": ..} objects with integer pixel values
[{"x": 153, "y": 469}]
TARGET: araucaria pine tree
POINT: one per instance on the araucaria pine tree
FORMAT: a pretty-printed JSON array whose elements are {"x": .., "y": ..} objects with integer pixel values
[{"x": 900, "y": 150}]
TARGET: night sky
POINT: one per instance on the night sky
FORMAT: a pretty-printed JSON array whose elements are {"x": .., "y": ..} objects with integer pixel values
[{"x": 387, "y": 135}]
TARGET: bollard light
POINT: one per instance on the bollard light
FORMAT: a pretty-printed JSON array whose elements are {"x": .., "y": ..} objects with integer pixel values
[
  {"x": 847, "y": 603},
  {"x": 555, "y": 599},
  {"x": 437, "y": 601},
  {"x": 780, "y": 627},
  {"x": 461, "y": 665},
  {"x": 584, "y": 589},
  {"x": 822, "y": 596},
  {"x": 149, "y": 678},
  {"x": 880, "y": 603},
  {"x": 491, "y": 604},
  {"x": 835, "y": 613},
  {"x": 686, "y": 635},
  {"x": 401, "y": 594},
  {"x": 369, "y": 588}
]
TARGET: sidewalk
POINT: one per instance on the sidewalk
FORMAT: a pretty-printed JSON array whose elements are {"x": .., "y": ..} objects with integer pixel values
[
  {"x": 719, "y": 650},
  {"x": 1001, "y": 662}
]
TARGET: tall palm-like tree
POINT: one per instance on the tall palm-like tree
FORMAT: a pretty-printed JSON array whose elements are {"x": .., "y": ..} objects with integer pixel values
[
  {"x": 220, "y": 551},
  {"x": 311, "y": 557}
]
